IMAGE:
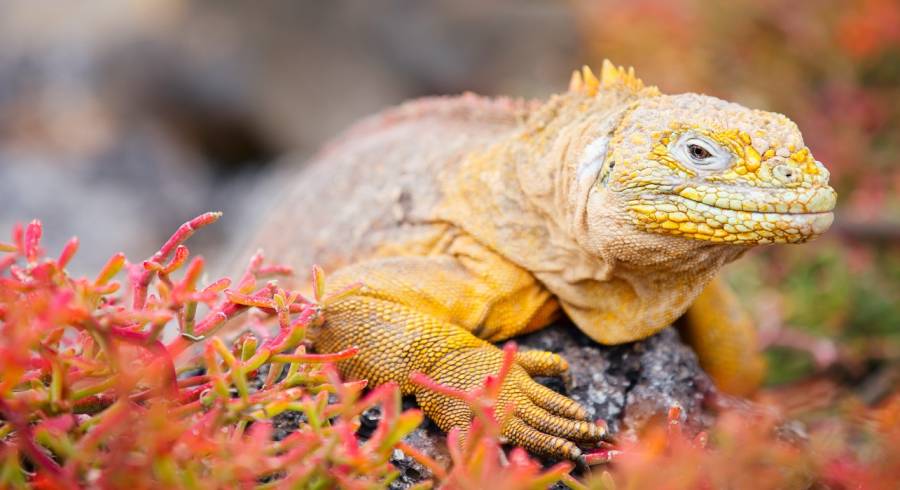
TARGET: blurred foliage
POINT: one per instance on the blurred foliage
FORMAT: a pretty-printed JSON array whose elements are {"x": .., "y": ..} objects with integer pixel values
[
  {"x": 833, "y": 67},
  {"x": 753, "y": 450}
]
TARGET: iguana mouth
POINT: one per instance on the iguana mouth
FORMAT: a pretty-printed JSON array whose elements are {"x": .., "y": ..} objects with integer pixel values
[
  {"x": 802, "y": 201},
  {"x": 739, "y": 216}
]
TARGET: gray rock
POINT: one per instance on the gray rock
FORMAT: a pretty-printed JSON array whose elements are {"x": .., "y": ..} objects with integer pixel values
[{"x": 625, "y": 385}]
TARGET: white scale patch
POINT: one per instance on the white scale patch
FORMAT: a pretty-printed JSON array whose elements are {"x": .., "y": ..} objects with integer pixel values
[{"x": 592, "y": 160}]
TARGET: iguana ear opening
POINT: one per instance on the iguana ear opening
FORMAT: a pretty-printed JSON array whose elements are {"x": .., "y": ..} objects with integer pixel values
[{"x": 611, "y": 77}]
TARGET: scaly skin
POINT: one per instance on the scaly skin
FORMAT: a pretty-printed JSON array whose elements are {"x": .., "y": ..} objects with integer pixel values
[{"x": 472, "y": 220}]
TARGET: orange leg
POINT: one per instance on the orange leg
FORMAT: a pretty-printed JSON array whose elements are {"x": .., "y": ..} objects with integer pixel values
[{"x": 725, "y": 339}]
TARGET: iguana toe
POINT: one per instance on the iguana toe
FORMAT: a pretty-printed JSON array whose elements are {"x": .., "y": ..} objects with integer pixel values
[
  {"x": 519, "y": 433},
  {"x": 542, "y": 363},
  {"x": 554, "y": 402}
]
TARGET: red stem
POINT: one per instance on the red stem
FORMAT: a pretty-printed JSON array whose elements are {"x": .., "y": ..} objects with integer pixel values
[
  {"x": 213, "y": 320},
  {"x": 67, "y": 253},
  {"x": 181, "y": 234},
  {"x": 328, "y": 357},
  {"x": 33, "y": 241},
  {"x": 25, "y": 436}
]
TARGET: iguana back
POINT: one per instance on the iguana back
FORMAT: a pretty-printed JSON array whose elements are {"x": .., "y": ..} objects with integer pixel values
[{"x": 373, "y": 190}]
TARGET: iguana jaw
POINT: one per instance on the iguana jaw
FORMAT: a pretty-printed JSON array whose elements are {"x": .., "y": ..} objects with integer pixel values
[{"x": 737, "y": 215}]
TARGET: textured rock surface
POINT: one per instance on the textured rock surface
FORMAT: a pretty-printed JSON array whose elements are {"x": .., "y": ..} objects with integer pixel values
[
  {"x": 624, "y": 385},
  {"x": 627, "y": 384}
]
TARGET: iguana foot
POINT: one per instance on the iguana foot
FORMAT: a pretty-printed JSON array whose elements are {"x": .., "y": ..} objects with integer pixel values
[{"x": 543, "y": 421}]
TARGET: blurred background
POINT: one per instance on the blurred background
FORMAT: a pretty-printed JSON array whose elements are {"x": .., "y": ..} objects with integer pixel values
[{"x": 120, "y": 119}]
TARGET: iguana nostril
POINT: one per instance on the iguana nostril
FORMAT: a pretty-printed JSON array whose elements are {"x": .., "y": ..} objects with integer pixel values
[{"x": 786, "y": 174}]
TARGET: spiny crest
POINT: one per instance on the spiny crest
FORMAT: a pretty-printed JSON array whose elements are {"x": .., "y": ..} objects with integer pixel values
[{"x": 610, "y": 77}]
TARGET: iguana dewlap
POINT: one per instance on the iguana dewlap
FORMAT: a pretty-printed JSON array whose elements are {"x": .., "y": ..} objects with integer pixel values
[{"x": 471, "y": 220}]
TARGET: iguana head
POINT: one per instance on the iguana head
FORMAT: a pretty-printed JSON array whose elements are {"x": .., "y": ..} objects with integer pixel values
[{"x": 698, "y": 167}]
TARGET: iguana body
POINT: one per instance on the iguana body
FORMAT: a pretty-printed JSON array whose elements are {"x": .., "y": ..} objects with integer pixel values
[{"x": 472, "y": 220}]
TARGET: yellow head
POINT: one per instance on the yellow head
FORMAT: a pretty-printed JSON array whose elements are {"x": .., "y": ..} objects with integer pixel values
[{"x": 699, "y": 167}]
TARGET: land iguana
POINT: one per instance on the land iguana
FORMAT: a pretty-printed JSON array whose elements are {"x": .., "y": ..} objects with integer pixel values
[{"x": 471, "y": 220}]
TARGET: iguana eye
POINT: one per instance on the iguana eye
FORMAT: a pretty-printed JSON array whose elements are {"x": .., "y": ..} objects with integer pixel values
[{"x": 698, "y": 151}]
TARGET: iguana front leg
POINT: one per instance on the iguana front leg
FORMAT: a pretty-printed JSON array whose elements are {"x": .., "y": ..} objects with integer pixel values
[
  {"x": 419, "y": 314},
  {"x": 725, "y": 339}
]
